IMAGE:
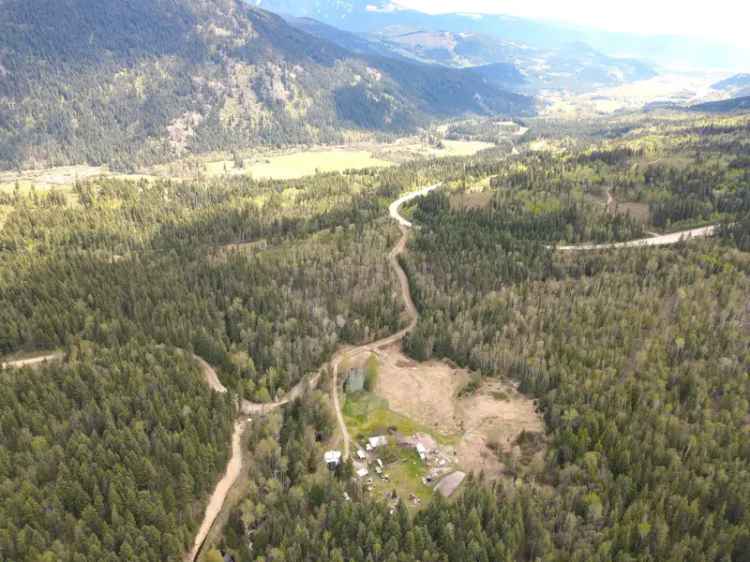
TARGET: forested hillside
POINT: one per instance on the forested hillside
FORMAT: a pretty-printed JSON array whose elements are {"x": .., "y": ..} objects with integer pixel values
[
  {"x": 163, "y": 261},
  {"x": 110, "y": 454},
  {"x": 647, "y": 404},
  {"x": 638, "y": 360},
  {"x": 107, "y": 455},
  {"x": 131, "y": 83}
]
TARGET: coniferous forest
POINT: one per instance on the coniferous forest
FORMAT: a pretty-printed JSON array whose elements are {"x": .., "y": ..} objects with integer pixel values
[{"x": 637, "y": 359}]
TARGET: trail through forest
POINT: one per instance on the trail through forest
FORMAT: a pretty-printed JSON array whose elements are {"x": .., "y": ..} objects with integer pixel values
[
  {"x": 219, "y": 495},
  {"x": 234, "y": 466}
]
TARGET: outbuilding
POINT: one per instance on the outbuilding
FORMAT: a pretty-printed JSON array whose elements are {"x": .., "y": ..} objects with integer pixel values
[
  {"x": 332, "y": 459},
  {"x": 377, "y": 441}
]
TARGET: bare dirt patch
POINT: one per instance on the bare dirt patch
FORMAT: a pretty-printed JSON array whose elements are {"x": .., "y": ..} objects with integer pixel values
[
  {"x": 639, "y": 211},
  {"x": 471, "y": 200},
  {"x": 484, "y": 423},
  {"x": 494, "y": 418},
  {"x": 424, "y": 392}
]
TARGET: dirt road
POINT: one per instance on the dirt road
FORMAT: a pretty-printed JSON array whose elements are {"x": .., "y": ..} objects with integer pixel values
[
  {"x": 662, "y": 240},
  {"x": 212, "y": 379},
  {"x": 411, "y": 310},
  {"x": 398, "y": 203},
  {"x": 31, "y": 361},
  {"x": 234, "y": 467}
]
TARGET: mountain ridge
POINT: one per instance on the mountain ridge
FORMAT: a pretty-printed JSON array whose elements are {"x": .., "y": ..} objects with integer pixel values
[
  {"x": 138, "y": 82},
  {"x": 736, "y": 86}
]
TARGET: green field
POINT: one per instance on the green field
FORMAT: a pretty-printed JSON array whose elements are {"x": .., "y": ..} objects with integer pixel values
[
  {"x": 367, "y": 414},
  {"x": 295, "y": 165},
  {"x": 274, "y": 166}
]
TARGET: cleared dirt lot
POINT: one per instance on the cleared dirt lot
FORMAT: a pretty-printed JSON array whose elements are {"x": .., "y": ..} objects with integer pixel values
[
  {"x": 425, "y": 392},
  {"x": 496, "y": 414},
  {"x": 428, "y": 393}
]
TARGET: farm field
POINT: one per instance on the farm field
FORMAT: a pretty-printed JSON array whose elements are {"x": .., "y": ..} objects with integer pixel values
[
  {"x": 274, "y": 165},
  {"x": 297, "y": 165}
]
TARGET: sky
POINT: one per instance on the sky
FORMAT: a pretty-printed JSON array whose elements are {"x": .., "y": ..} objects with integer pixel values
[{"x": 722, "y": 20}]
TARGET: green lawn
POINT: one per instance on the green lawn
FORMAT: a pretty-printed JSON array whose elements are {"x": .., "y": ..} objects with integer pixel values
[{"x": 406, "y": 475}]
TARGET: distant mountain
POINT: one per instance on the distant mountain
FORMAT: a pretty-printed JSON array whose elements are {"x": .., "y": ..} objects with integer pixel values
[
  {"x": 574, "y": 66},
  {"x": 733, "y": 82},
  {"x": 724, "y": 106},
  {"x": 736, "y": 86},
  {"x": 357, "y": 43},
  {"x": 511, "y": 65},
  {"x": 373, "y": 16},
  {"x": 548, "y": 64},
  {"x": 501, "y": 73},
  {"x": 139, "y": 81}
]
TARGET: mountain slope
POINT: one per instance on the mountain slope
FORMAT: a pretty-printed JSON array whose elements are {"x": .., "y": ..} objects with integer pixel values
[
  {"x": 572, "y": 65},
  {"x": 733, "y": 82},
  {"x": 372, "y": 16},
  {"x": 137, "y": 81},
  {"x": 724, "y": 106}
]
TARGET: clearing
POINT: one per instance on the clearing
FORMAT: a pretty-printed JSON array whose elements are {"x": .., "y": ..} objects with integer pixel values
[
  {"x": 423, "y": 401},
  {"x": 493, "y": 419},
  {"x": 424, "y": 392},
  {"x": 298, "y": 164}
]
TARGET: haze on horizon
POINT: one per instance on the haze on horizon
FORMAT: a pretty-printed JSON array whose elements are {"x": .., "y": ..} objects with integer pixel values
[{"x": 725, "y": 22}]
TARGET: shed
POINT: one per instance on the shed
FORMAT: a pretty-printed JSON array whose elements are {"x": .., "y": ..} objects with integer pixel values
[
  {"x": 362, "y": 472},
  {"x": 377, "y": 441},
  {"x": 355, "y": 380}
]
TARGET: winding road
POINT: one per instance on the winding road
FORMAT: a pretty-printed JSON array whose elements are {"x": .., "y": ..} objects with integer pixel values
[
  {"x": 234, "y": 466},
  {"x": 411, "y": 311}
]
